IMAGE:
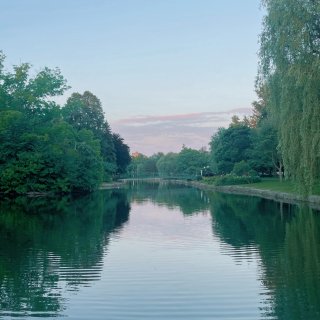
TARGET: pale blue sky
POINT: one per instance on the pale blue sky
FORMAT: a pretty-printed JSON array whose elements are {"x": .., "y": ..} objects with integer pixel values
[{"x": 141, "y": 57}]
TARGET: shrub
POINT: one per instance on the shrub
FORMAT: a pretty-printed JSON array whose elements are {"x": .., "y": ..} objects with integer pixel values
[
  {"x": 231, "y": 179},
  {"x": 209, "y": 180},
  {"x": 242, "y": 168}
]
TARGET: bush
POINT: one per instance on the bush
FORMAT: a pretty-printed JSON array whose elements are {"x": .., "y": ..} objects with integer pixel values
[
  {"x": 231, "y": 179},
  {"x": 242, "y": 168},
  {"x": 209, "y": 180}
]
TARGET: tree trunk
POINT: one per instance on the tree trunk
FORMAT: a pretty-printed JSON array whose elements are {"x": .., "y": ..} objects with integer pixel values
[{"x": 280, "y": 171}]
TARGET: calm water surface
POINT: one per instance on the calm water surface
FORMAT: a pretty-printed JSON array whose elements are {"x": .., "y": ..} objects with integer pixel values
[{"x": 158, "y": 252}]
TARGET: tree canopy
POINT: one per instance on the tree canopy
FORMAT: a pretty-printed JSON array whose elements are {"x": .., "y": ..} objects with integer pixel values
[
  {"x": 231, "y": 145},
  {"x": 45, "y": 147}
]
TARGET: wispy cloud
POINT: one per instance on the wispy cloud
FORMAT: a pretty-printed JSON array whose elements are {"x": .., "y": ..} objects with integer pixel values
[
  {"x": 187, "y": 118},
  {"x": 165, "y": 133}
]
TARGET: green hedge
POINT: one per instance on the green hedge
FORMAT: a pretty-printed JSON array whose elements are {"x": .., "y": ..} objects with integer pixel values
[{"x": 231, "y": 179}]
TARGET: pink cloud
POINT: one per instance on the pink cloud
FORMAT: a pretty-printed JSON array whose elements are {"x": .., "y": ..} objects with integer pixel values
[
  {"x": 162, "y": 118},
  {"x": 167, "y": 133},
  {"x": 197, "y": 116}
]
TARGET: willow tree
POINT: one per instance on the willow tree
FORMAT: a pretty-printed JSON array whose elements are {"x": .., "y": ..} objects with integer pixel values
[{"x": 290, "y": 68}]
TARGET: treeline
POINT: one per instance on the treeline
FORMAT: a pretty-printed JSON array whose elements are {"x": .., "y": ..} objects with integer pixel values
[
  {"x": 48, "y": 147},
  {"x": 188, "y": 163},
  {"x": 247, "y": 148}
]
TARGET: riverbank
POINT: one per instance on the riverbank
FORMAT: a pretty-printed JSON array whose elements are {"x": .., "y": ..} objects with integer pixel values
[
  {"x": 258, "y": 191},
  {"x": 313, "y": 201}
]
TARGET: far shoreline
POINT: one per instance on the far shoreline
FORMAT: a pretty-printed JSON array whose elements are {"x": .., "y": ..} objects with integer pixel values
[{"x": 313, "y": 201}]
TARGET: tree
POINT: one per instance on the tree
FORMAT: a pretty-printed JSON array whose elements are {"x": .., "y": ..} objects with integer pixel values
[
  {"x": 46, "y": 158},
  {"x": 260, "y": 111},
  {"x": 231, "y": 145},
  {"x": 265, "y": 156},
  {"x": 242, "y": 168},
  {"x": 192, "y": 162},
  {"x": 73, "y": 157},
  {"x": 19, "y": 91},
  {"x": 122, "y": 153},
  {"x": 290, "y": 68},
  {"x": 235, "y": 120},
  {"x": 39, "y": 150},
  {"x": 85, "y": 112},
  {"x": 167, "y": 165}
]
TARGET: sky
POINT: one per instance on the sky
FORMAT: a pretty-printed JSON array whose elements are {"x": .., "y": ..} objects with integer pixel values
[{"x": 168, "y": 72}]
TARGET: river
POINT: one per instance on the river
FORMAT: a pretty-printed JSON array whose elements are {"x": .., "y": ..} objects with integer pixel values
[{"x": 158, "y": 251}]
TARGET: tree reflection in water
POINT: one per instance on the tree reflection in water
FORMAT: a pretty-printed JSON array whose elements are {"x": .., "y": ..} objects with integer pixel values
[
  {"x": 287, "y": 239},
  {"x": 188, "y": 200},
  {"x": 47, "y": 245}
]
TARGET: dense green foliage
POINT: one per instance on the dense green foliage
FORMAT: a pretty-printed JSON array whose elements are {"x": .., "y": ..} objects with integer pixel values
[
  {"x": 188, "y": 163},
  {"x": 230, "y": 146},
  {"x": 230, "y": 179},
  {"x": 85, "y": 112},
  {"x": 290, "y": 70},
  {"x": 251, "y": 141},
  {"x": 168, "y": 165},
  {"x": 143, "y": 166},
  {"x": 242, "y": 168},
  {"x": 48, "y": 157},
  {"x": 265, "y": 157},
  {"x": 192, "y": 162},
  {"x": 122, "y": 153},
  {"x": 45, "y": 147}
]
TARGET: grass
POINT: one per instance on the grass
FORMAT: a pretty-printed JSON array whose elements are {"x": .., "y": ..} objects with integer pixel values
[{"x": 274, "y": 184}]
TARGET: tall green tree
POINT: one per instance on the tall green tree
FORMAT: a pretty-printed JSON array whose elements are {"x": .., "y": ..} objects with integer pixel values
[
  {"x": 84, "y": 111},
  {"x": 168, "y": 165},
  {"x": 192, "y": 162},
  {"x": 39, "y": 150},
  {"x": 51, "y": 157},
  {"x": 122, "y": 153},
  {"x": 265, "y": 157},
  {"x": 143, "y": 166},
  {"x": 290, "y": 68},
  {"x": 230, "y": 146}
]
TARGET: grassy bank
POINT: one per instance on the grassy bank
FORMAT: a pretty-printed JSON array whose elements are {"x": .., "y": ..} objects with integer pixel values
[
  {"x": 267, "y": 188},
  {"x": 274, "y": 184}
]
